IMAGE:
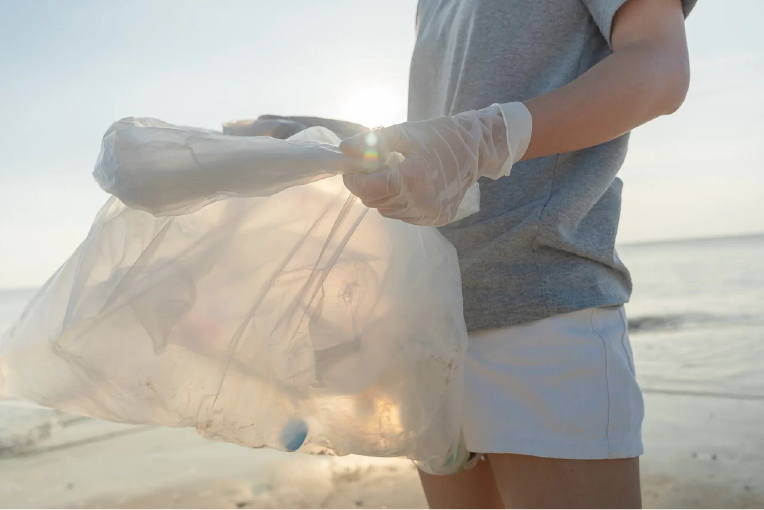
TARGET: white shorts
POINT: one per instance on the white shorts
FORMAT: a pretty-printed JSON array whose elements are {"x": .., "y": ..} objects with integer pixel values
[{"x": 561, "y": 387}]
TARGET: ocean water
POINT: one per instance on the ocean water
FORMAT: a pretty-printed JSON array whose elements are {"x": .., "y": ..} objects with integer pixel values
[
  {"x": 696, "y": 316},
  {"x": 696, "y": 321}
]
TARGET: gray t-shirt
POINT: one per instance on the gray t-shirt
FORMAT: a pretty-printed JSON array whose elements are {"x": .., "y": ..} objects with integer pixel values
[{"x": 544, "y": 241}]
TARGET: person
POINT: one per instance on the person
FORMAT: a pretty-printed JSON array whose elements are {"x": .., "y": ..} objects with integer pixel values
[{"x": 535, "y": 100}]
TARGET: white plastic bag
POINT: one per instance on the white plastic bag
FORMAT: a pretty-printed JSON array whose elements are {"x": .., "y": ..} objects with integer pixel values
[{"x": 299, "y": 320}]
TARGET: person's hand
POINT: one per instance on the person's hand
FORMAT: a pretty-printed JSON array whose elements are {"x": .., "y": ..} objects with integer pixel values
[
  {"x": 442, "y": 158},
  {"x": 266, "y": 125},
  {"x": 278, "y": 126}
]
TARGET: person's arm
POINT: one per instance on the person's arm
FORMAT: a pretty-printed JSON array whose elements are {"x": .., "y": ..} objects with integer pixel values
[
  {"x": 647, "y": 76},
  {"x": 279, "y": 126}
]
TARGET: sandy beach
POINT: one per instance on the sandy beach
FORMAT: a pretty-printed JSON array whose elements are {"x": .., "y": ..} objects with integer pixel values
[{"x": 702, "y": 452}]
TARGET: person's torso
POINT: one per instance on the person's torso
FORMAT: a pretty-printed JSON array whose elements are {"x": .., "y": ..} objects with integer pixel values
[{"x": 544, "y": 241}]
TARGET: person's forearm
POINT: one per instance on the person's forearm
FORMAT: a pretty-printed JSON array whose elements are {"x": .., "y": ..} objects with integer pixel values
[
  {"x": 625, "y": 90},
  {"x": 278, "y": 126},
  {"x": 342, "y": 128},
  {"x": 647, "y": 76}
]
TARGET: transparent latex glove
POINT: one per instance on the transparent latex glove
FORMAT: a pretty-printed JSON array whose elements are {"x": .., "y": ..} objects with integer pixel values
[{"x": 443, "y": 157}]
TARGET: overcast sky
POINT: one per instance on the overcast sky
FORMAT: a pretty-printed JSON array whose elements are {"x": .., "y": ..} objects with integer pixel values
[{"x": 71, "y": 67}]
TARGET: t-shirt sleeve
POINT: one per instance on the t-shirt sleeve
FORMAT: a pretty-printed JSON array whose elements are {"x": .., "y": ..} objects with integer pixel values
[{"x": 603, "y": 12}]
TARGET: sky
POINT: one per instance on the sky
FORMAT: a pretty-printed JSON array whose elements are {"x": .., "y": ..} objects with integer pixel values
[{"x": 69, "y": 68}]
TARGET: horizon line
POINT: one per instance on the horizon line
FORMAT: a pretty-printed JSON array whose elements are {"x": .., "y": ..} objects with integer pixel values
[{"x": 627, "y": 244}]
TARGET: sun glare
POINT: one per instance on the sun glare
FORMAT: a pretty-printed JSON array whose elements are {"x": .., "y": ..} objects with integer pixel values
[{"x": 374, "y": 107}]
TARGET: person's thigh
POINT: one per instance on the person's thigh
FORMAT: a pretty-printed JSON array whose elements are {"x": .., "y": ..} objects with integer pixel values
[
  {"x": 536, "y": 482},
  {"x": 471, "y": 488}
]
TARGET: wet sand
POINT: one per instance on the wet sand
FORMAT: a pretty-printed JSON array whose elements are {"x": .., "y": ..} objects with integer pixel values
[{"x": 702, "y": 452}]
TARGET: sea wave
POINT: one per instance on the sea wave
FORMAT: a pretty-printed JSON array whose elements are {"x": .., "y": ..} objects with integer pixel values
[{"x": 683, "y": 321}]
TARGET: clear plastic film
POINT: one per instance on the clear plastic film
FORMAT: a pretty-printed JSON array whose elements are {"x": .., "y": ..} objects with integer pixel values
[{"x": 264, "y": 305}]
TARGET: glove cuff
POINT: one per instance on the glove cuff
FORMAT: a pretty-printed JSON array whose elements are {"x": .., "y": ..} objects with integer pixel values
[{"x": 519, "y": 125}]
